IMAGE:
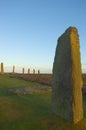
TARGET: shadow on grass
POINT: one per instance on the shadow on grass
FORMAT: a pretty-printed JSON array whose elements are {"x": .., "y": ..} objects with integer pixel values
[{"x": 53, "y": 122}]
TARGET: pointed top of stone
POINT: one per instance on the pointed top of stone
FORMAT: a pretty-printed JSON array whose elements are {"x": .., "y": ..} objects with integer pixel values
[
  {"x": 68, "y": 32},
  {"x": 71, "y": 29}
]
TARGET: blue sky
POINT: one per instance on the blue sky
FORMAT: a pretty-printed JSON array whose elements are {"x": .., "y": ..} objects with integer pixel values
[{"x": 29, "y": 30}]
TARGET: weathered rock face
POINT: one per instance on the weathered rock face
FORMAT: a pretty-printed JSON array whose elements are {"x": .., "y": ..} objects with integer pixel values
[{"x": 67, "y": 78}]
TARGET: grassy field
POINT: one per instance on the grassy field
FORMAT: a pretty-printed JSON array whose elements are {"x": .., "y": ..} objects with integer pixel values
[{"x": 30, "y": 112}]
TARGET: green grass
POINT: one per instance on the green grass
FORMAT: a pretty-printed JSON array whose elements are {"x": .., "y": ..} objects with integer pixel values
[{"x": 30, "y": 112}]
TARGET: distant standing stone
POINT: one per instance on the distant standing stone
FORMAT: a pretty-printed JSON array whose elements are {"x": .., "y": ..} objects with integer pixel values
[
  {"x": 23, "y": 70},
  {"x": 2, "y": 68},
  {"x": 13, "y": 69},
  {"x": 67, "y": 77},
  {"x": 38, "y": 71},
  {"x": 33, "y": 71},
  {"x": 28, "y": 71}
]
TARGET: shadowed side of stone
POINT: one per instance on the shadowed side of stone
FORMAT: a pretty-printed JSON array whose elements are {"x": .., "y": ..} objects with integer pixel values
[{"x": 67, "y": 78}]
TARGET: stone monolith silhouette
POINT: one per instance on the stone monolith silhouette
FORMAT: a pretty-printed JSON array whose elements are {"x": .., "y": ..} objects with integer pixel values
[
  {"x": 33, "y": 71},
  {"x": 2, "y": 68},
  {"x": 23, "y": 70},
  {"x": 38, "y": 71},
  {"x": 67, "y": 77},
  {"x": 28, "y": 71},
  {"x": 13, "y": 69}
]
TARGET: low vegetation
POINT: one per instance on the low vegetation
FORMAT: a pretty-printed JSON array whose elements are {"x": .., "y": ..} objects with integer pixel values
[
  {"x": 41, "y": 78},
  {"x": 31, "y": 111}
]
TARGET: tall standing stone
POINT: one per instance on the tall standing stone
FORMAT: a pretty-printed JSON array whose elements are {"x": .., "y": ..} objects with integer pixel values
[
  {"x": 38, "y": 71},
  {"x": 13, "y": 69},
  {"x": 23, "y": 70},
  {"x": 33, "y": 71},
  {"x": 67, "y": 77},
  {"x": 2, "y": 68},
  {"x": 28, "y": 71}
]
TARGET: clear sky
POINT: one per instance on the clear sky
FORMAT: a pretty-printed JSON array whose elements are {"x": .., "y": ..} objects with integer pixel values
[{"x": 29, "y": 30}]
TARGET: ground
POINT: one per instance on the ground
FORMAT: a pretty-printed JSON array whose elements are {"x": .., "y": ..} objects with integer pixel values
[{"x": 31, "y": 111}]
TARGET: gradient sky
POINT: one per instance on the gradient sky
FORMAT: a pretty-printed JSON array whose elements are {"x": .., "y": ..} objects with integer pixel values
[{"x": 29, "y": 30}]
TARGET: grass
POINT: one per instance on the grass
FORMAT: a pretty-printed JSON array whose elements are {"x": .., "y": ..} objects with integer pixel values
[{"x": 30, "y": 112}]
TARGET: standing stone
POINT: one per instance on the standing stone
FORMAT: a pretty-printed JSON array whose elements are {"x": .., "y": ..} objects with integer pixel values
[
  {"x": 28, "y": 71},
  {"x": 23, "y": 70},
  {"x": 2, "y": 68},
  {"x": 38, "y": 71},
  {"x": 67, "y": 77},
  {"x": 13, "y": 69},
  {"x": 33, "y": 71}
]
